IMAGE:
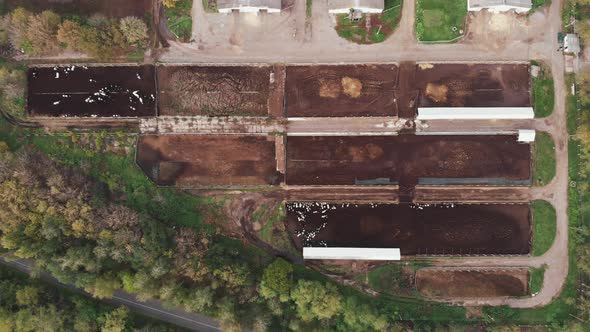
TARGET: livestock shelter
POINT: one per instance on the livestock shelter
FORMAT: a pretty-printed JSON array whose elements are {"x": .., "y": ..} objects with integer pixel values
[
  {"x": 363, "y": 6},
  {"x": 497, "y": 6},
  {"x": 249, "y": 6},
  {"x": 474, "y": 113},
  {"x": 376, "y": 254}
]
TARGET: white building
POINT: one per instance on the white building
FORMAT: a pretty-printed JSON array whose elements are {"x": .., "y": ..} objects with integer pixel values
[
  {"x": 496, "y": 6},
  {"x": 373, "y": 254},
  {"x": 571, "y": 43},
  {"x": 526, "y": 135},
  {"x": 363, "y": 6},
  {"x": 474, "y": 113},
  {"x": 249, "y": 6}
]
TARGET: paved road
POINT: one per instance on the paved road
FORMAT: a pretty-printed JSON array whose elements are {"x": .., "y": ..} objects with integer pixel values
[{"x": 151, "y": 308}]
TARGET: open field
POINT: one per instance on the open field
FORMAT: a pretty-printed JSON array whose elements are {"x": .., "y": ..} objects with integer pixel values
[
  {"x": 445, "y": 229},
  {"x": 543, "y": 159},
  {"x": 111, "y": 8},
  {"x": 473, "y": 283},
  {"x": 405, "y": 159},
  {"x": 473, "y": 85},
  {"x": 352, "y": 90},
  {"x": 215, "y": 91},
  {"x": 92, "y": 91},
  {"x": 543, "y": 94},
  {"x": 192, "y": 161}
]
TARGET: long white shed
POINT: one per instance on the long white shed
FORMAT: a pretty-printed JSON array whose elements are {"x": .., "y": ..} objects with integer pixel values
[
  {"x": 373, "y": 254},
  {"x": 474, "y": 113}
]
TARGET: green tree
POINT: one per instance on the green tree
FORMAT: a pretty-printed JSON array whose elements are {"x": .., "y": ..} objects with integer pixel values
[
  {"x": 170, "y": 3},
  {"x": 27, "y": 296},
  {"x": 360, "y": 317},
  {"x": 116, "y": 320},
  {"x": 277, "y": 280},
  {"x": 315, "y": 300},
  {"x": 104, "y": 286}
]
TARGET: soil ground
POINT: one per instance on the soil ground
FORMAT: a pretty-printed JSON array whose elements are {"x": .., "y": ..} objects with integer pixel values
[
  {"x": 192, "y": 161},
  {"x": 350, "y": 90},
  {"x": 92, "y": 91},
  {"x": 445, "y": 229},
  {"x": 474, "y": 283},
  {"x": 319, "y": 90},
  {"x": 111, "y": 8},
  {"x": 404, "y": 159},
  {"x": 216, "y": 91},
  {"x": 473, "y": 85}
]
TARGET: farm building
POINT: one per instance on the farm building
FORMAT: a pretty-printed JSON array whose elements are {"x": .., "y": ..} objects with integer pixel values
[
  {"x": 377, "y": 254},
  {"x": 571, "y": 43},
  {"x": 519, "y": 6},
  {"x": 363, "y": 6},
  {"x": 474, "y": 113},
  {"x": 249, "y": 6}
]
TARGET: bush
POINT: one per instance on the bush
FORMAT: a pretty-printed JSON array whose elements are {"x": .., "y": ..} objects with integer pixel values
[{"x": 134, "y": 30}]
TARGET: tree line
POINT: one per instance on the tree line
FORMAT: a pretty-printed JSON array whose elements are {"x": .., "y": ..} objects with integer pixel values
[
  {"x": 28, "y": 305},
  {"x": 48, "y": 33}
]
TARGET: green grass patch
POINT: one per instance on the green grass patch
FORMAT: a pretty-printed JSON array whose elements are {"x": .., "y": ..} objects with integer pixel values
[
  {"x": 382, "y": 25},
  {"x": 571, "y": 106},
  {"x": 536, "y": 279},
  {"x": 308, "y": 4},
  {"x": 277, "y": 217},
  {"x": 137, "y": 55},
  {"x": 209, "y": 7},
  {"x": 543, "y": 92},
  {"x": 543, "y": 159},
  {"x": 180, "y": 21},
  {"x": 388, "y": 278},
  {"x": 540, "y": 3},
  {"x": 13, "y": 80},
  {"x": 440, "y": 20},
  {"x": 544, "y": 224}
]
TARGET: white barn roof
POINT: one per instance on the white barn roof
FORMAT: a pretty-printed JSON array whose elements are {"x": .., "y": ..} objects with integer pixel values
[
  {"x": 474, "y": 113},
  {"x": 365, "y": 6},
  {"x": 377, "y": 254},
  {"x": 272, "y": 6},
  {"x": 526, "y": 135},
  {"x": 571, "y": 43},
  {"x": 500, "y": 5}
]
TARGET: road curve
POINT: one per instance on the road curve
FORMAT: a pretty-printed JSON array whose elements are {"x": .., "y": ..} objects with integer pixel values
[{"x": 151, "y": 308}]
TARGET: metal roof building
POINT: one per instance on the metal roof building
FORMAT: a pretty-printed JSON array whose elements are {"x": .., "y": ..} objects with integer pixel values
[
  {"x": 526, "y": 135},
  {"x": 364, "y": 6},
  {"x": 571, "y": 43},
  {"x": 373, "y": 254},
  {"x": 474, "y": 113},
  {"x": 520, "y": 6},
  {"x": 249, "y": 6}
]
